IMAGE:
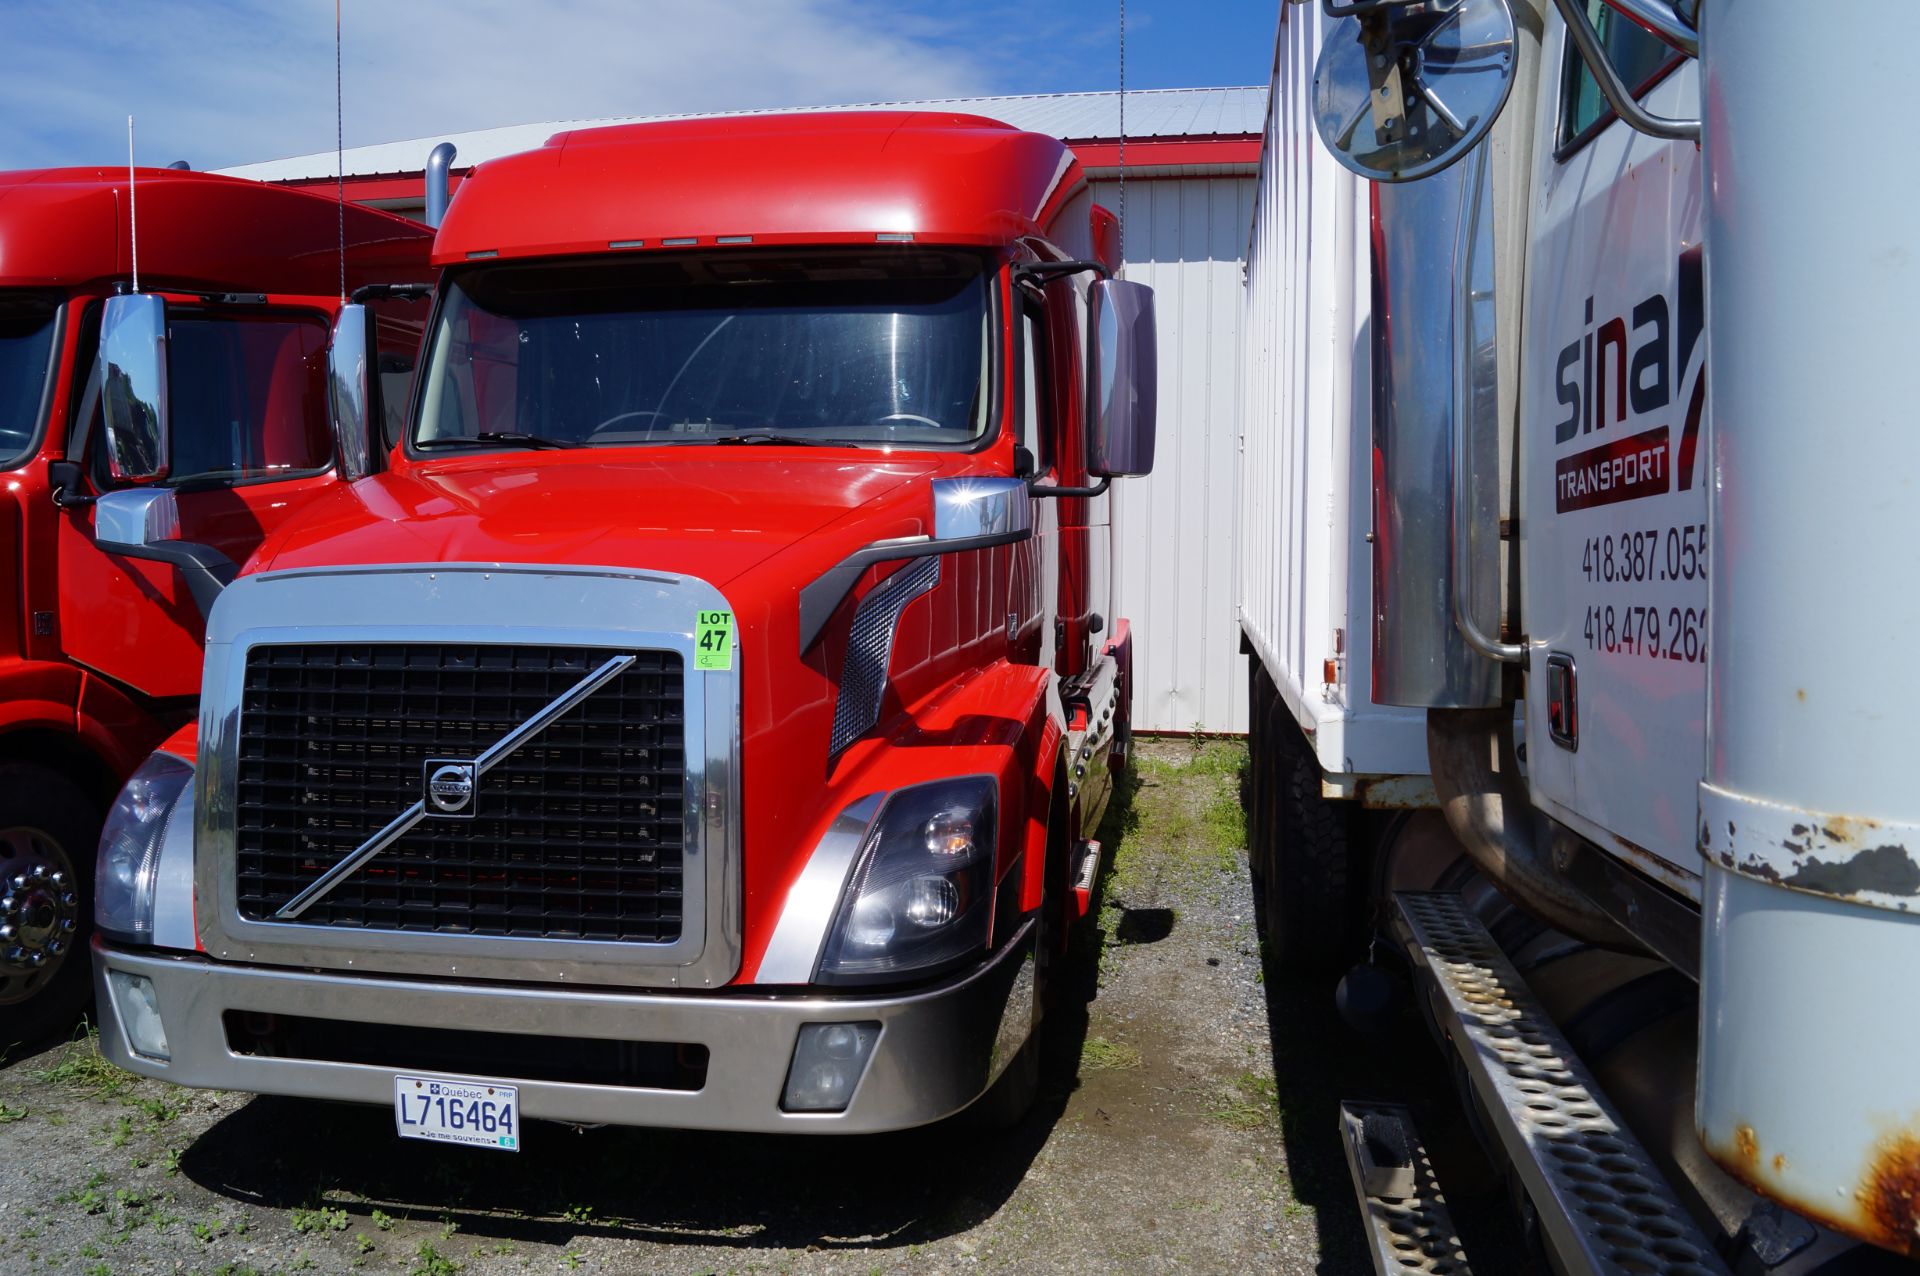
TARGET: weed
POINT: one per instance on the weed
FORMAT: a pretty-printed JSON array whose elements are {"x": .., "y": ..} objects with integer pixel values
[
  {"x": 383, "y": 1220},
  {"x": 363, "y": 1242},
  {"x": 89, "y": 1250},
  {"x": 99, "y": 1269},
  {"x": 172, "y": 1161},
  {"x": 574, "y": 1260},
  {"x": 205, "y": 1232},
  {"x": 159, "y": 1111},
  {"x": 86, "y": 1069},
  {"x": 320, "y": 1219},
  {"x": 9, "y": 1115},
  {"x": 428, "y": 1261},
  {"x": 304, "y": 1263},
  {"x": 1101, "y": 1055},
  {"x": 119, "y": 1133},
  {"x": 577, "y": 1213}
]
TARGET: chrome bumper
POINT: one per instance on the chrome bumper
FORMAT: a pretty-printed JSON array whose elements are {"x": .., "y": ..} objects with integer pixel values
[{"x": 939, "y": 1047}]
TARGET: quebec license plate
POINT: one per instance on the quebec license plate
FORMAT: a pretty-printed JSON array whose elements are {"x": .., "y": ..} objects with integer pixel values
[{"x": 481, "y": 1114}]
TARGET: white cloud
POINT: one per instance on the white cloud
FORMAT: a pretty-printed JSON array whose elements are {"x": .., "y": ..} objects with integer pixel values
[{"x": 222, "y": 82}]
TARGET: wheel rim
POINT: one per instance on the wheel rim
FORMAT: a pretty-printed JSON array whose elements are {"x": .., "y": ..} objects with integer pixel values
[{"x": 39, "y": 912}]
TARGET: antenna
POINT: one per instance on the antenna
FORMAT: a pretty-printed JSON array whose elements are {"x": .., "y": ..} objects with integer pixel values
[
  {"x": 339, "y": 155},
  {"x": 133, "y": 211},
  {"x": 1123, "y": 134}
]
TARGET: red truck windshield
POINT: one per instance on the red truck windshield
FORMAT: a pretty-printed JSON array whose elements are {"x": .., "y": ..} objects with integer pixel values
[
  {"x": 865, "y": 348},
  {"x": 26, "y": 346}
]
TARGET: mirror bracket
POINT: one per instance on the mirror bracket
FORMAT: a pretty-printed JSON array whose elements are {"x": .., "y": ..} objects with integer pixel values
[
  {"x": 145, "y": 523},
  {"x": 1054, "y": 489},
  {"x": 1041, "y": 271}
]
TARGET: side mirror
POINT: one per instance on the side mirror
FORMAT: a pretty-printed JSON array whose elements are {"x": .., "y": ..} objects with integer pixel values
[
  {"x": 1123, "y": 384},
  {"x": 145, "y": 523},
  {"x": 133, "y": 388},
  {"x": 350, "y": 373},
  {"x": 1401, "y": 92},
  {"x": 135, "y": 519}
]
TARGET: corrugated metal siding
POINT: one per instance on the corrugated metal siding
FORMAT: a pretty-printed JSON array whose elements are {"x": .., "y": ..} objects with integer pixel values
[
  {"x": 1175, "y": 530},
  {"x": 1210, "y": 112}
]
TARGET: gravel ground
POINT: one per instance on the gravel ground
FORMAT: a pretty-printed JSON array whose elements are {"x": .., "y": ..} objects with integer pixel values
[{"x": 1163, "y": 1140}]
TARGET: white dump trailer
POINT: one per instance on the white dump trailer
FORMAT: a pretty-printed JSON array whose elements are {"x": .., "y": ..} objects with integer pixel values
[{"x": 1579, "y": 567}]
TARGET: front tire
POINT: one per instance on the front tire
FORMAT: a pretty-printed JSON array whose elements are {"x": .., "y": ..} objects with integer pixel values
[
  {"x": 49, "y": 833},
  {"x": 1008, "y": 1100}
]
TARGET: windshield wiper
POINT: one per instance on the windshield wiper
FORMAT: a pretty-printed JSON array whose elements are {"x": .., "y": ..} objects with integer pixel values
[
  {"x": 486, "y": 437},
  {"x": 762, "y": 437}
]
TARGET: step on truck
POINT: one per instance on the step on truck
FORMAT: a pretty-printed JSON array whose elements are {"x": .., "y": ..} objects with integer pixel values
[
  {"x": 1578, "y": 587},
  {"x": 701, "y": 715},
  {"x": 223, "y": 347}
]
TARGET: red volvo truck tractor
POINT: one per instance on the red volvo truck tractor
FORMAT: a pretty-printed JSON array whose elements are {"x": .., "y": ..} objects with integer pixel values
[
  {"x": 700, "y": 716},
  {"x": 224, "y": 353}
]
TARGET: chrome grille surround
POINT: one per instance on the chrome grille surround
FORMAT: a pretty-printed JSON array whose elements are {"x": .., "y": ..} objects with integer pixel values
[{"x": 611, "y": 609}]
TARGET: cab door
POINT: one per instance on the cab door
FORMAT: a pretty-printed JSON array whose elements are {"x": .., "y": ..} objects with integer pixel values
[
  {"x": 1615, "y": 441},
  {"x": 250, "y": 445}
]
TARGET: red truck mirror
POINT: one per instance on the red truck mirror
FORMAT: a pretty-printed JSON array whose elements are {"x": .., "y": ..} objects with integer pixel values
[
  {"x": 350, "y": 364},
  {"x": 133, "y": 387},
  {"x": 1122, "y": 381}
]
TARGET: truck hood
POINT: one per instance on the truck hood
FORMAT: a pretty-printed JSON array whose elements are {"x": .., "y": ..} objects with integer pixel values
[{"x": 695, "y": 512}]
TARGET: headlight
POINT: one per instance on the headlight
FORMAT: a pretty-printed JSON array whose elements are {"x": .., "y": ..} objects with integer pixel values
[
  {"x": 921, "y": 892},
  {"x": 130, "y": 848}
]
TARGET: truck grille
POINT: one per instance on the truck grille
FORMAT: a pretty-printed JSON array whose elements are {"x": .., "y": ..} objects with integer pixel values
[{"x": 577, "y": 835}]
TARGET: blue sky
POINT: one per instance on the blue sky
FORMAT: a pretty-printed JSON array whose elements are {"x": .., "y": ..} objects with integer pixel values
[{"x": 222, "y": 82}]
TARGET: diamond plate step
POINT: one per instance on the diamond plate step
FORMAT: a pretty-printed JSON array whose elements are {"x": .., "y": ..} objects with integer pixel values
[
  {"x": 1604, "y": 1206},
  {"x": 1408, "y": 1227}
]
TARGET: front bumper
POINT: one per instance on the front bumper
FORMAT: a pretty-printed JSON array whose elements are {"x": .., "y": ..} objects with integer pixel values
[{"x": 939, "y": 1047}]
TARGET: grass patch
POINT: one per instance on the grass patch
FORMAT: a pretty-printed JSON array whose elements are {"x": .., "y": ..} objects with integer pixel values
[
  {"x": 1194, "y": 827},
  {"x": 1250, "y": 1103},
  {"x": 85, "y": 1069},
  {"x": 1102, "y": 1055}
]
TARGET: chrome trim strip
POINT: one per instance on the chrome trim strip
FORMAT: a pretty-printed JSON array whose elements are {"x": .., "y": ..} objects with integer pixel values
[
  {"x": 173, "y": 878},
  {"x": 794, "y": 950},
  {"x": 499, "y": 752},
  {"x": 614, "y": 609}
]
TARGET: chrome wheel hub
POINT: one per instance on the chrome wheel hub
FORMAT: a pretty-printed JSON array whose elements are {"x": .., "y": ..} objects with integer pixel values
[{"x": 39, "y": 911}]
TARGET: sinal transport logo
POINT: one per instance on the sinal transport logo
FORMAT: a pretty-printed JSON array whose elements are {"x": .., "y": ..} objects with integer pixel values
[{"x": 1631, "y": 364}]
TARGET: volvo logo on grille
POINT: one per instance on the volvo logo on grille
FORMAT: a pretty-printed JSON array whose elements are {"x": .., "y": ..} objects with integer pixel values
[{"x": 450, "y": 787}]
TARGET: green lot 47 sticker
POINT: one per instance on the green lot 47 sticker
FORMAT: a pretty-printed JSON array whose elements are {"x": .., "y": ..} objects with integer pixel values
[{"x": 713, "y": 640}]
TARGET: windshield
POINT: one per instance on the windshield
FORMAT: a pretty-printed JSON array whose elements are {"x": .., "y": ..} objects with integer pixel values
[
  {"x": 26, "y": 346},
  {"x": 853, "y": 347}
]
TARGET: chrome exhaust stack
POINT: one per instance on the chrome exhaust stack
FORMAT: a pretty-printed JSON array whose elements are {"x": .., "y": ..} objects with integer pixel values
[{"x": 439, "y": 182}]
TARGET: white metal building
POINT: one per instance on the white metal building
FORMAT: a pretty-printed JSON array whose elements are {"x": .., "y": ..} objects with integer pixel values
[{"x": 1191, "y": 159}]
